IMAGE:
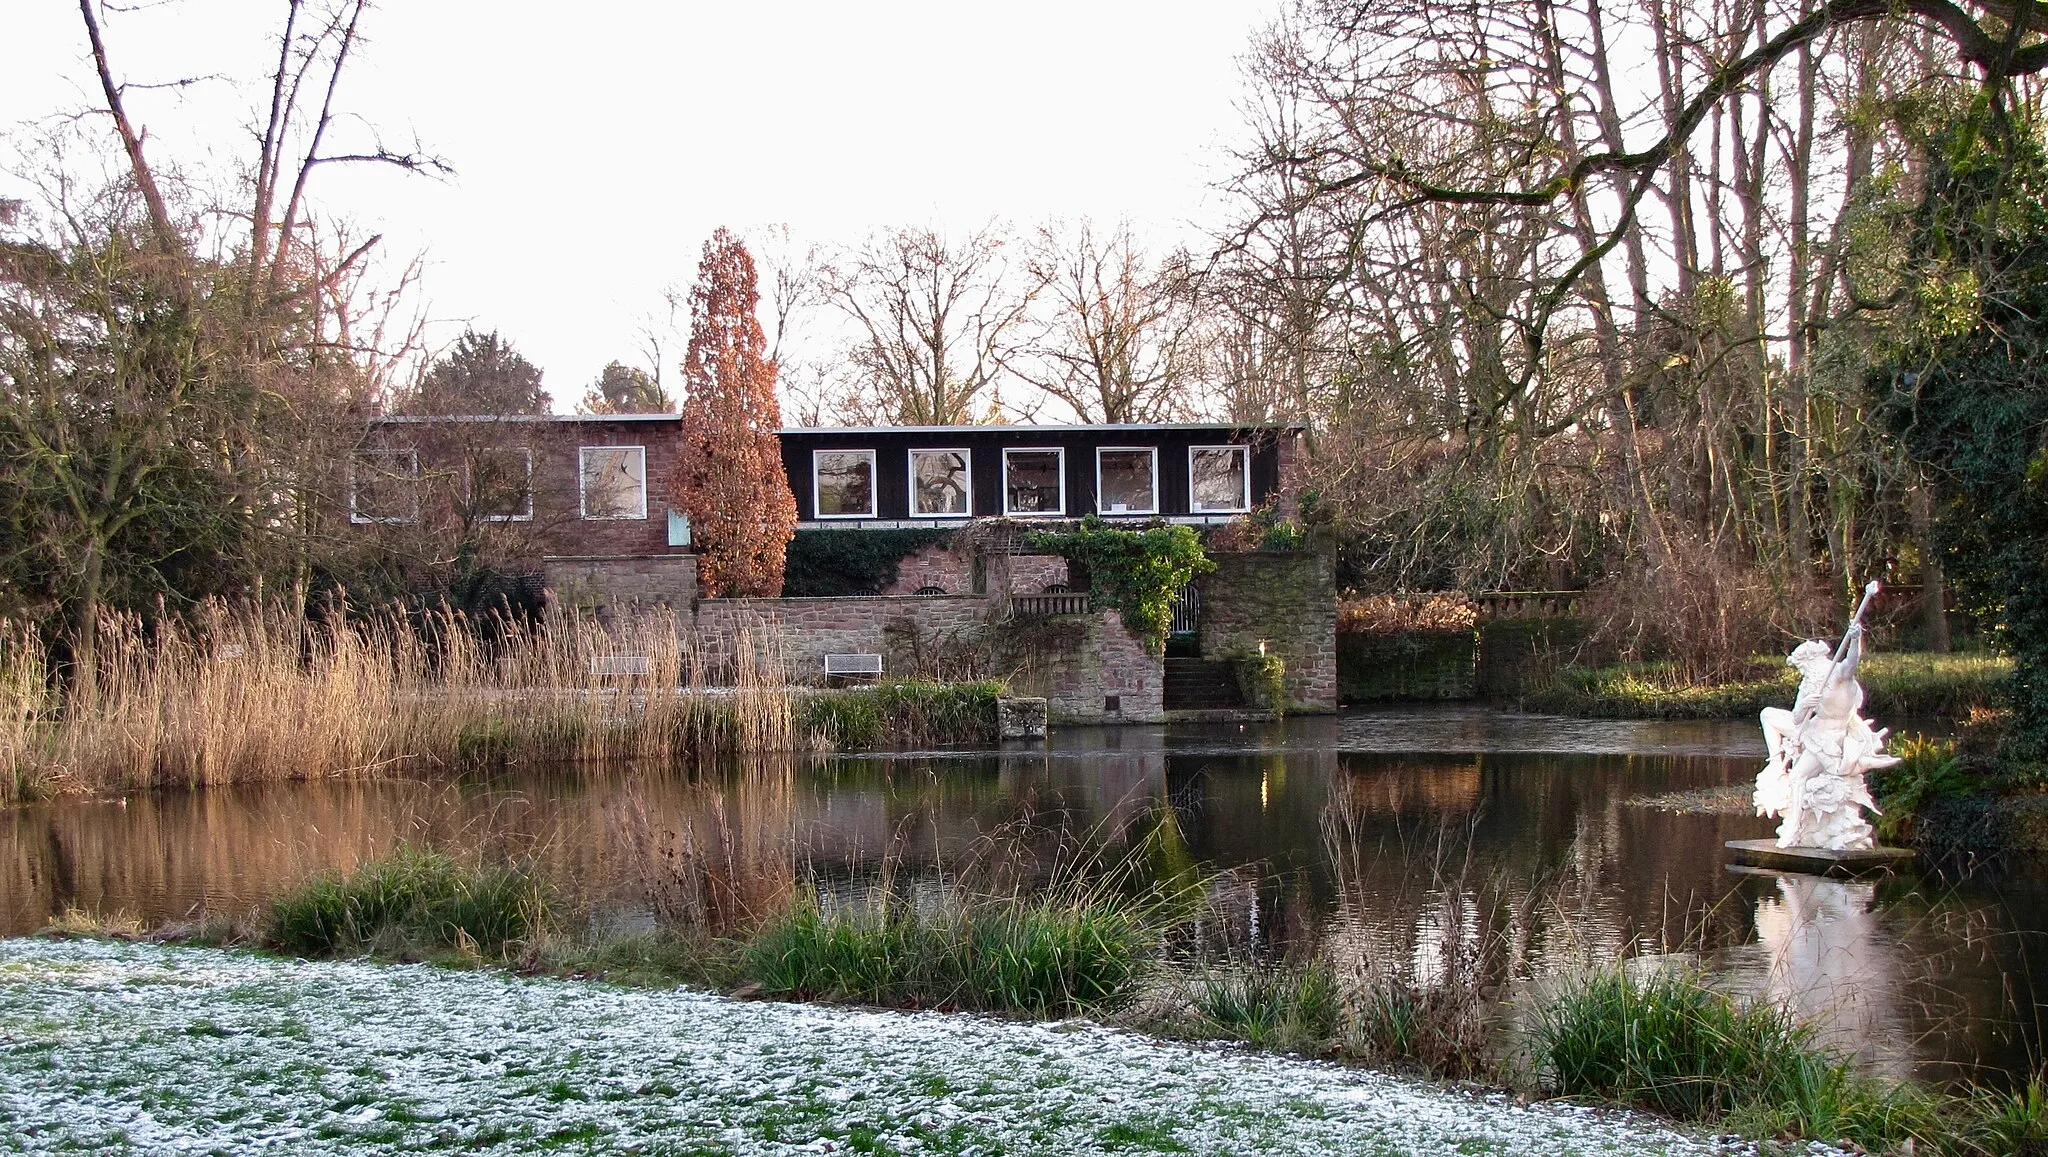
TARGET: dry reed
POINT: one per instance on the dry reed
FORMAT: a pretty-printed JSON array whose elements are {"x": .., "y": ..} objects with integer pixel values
[{"x": 265, "y": 693}]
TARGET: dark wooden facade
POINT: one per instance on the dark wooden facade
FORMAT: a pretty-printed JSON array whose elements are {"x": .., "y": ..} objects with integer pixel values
[{"x": 1271, "y": 450}]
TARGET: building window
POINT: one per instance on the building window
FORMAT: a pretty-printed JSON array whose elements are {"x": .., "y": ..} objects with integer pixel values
[
  {"x": 939, "y": 484},
  {"x": 383, "y": 486},
  {"x": 843, "y": 483},
  {"x": 501, "y": 485},
  {"x": 1127, "y": 480},
  {"x": 1219, "y": 479},
  {"x": 613, "y": 481},
  {"x": 1034, "y": 482}
]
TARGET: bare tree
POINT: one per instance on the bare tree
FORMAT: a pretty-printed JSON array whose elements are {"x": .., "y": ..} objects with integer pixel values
[
  {"x": 937, "y": 319},
  {"x": 1117, "y": 343}
]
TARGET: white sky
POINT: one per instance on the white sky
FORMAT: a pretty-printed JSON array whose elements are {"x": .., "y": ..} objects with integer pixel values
[{"x": 597, "y": 143}]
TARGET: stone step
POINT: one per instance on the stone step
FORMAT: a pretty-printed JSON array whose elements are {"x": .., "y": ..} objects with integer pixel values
[{"x": 1201, "y": 685}]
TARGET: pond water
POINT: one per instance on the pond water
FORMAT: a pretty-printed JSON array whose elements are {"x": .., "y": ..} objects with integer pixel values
[{"x": 1427, "y": 841}]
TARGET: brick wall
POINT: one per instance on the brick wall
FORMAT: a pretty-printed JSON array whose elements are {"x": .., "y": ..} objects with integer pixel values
[
  {"x": 449, "y": 451},
  {"x": 1287, "y": 599},
  {"x": 934, "y": 565},
  {"x": 1076, "y": 662},
  {"x": 603, "y": 585},
  {"x": 810, "y": 629},
  {"x": 952, "y": 570}
]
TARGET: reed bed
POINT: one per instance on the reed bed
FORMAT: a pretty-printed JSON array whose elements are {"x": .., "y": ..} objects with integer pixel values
[{"x": 265, "y": 693}]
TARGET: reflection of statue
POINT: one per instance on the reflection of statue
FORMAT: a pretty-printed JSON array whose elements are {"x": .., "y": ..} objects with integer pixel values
[
  {"x": 1821, "y": 749},
  {"x": 1828, "y": 959}
]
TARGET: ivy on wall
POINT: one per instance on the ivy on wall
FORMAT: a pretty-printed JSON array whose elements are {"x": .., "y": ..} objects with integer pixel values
[
  {"x": 832, "y": 563},
  {"x": 1136, "y": 571}
]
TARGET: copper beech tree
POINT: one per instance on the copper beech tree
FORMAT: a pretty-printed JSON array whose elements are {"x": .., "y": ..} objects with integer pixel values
[{"x": 729, "y": 479}]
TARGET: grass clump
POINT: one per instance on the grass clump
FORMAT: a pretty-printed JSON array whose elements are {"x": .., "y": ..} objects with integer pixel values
[
  {"x": 915, "y": 713},
  {"x": 1049, "y": 955},
  {"x": 1673, "y": 1045},
  {"x": 413, "y": 902},
  {"x": 1294, "y": 1008}
]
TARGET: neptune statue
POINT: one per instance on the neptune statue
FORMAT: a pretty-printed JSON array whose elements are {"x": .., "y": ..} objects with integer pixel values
[{"x": 1821, "y": 749}]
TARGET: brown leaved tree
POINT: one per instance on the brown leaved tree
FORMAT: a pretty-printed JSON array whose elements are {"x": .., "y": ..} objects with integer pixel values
[{"x": 729, "y": 479}]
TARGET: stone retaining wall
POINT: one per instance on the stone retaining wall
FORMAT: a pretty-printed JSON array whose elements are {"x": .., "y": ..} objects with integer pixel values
[
  {"x": 1287, "y": 600},
  {"x": 809, "y": 629}
]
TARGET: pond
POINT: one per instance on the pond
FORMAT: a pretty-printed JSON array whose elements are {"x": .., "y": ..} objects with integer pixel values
[{"x": 1425, "y": 840}]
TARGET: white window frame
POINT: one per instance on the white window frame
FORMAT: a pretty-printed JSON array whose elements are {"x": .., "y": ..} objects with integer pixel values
[
  {"x": 412, "y": 459},
  {"x": 874, "y": 483},
  {"x": 583, "y": 479},
  {"x": 1059, "y": 450},
  {"x": 528, "y": 452},
  {"x": 1102, "y": 507},
  {"x": 1244, "y": 453},
  {"x": 967, "y": 463}
]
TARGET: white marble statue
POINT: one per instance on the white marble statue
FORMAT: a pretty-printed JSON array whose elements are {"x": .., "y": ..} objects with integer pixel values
[{"x": 1821, "y": 749}]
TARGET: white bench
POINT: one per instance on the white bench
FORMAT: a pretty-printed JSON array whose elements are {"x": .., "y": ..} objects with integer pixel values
[{"x": 853, "y": 663}]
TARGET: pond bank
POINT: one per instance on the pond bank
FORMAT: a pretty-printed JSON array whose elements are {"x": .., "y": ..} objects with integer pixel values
[{"x": 132, "y": 1046}]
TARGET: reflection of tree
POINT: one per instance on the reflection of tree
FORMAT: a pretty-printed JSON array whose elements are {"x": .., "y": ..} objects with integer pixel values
[{"x": 713, "y": 857}]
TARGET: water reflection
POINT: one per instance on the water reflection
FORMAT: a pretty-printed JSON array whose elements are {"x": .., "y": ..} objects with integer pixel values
[{"x": 1450, "y": 847}]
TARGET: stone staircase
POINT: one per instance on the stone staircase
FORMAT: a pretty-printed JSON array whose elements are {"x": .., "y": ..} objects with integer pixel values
[{"x": 1202, "y": 685}]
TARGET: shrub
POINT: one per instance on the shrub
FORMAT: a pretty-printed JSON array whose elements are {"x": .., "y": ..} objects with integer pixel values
[
  {"x": 913, "y": 713},
  {"x": 1401, "y": 613},
  {"x": 822, "y": 563},
  {"x": 412, "y": 901},
  {"x": 1263, "y": 681}
]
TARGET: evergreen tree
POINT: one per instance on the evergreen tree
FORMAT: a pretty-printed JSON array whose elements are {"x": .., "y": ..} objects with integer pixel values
[
  {"x": 483, "y": 374},
  {"x": 729, "y": 479},
  {"x": 1968, "y": 392},
  {"x": 624, "y": 389}
]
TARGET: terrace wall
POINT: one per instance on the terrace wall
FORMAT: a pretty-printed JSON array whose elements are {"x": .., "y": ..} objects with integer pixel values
[
  {"x": 603, "y": 585},
  {"x": 1288, "y": 600}
]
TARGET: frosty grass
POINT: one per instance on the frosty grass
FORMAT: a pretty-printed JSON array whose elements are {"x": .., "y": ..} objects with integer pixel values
[{"x": 141, "y": 1048}]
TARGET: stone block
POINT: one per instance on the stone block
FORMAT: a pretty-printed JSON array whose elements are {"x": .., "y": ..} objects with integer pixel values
[{"x": 1021, "y": 717}]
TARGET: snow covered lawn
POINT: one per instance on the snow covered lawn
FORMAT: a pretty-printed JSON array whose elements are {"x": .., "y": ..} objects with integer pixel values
[{"x": 141, "y": 1048}]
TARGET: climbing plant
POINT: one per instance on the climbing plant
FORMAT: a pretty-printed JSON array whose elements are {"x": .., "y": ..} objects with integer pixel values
[
  {"x": 1136, "y": 571},
  {"x": 851, "y": 562}
]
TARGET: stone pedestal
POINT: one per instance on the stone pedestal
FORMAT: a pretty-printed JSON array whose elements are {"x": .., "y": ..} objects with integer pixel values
[
  {"x": 1021, "y": 717},
  {"x": 1818, "y": 861}
]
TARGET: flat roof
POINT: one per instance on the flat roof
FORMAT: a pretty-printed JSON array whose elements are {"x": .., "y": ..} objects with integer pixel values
[
  {"x": 415, "y": 418},
  {"x": 1056, "y": 428}
]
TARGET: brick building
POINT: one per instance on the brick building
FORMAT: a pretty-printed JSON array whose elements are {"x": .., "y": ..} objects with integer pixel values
[{"x": 582, "y": 501}]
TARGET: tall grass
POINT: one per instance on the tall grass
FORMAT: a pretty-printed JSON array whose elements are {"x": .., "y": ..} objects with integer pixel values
[
  {"x": 413, "y": 902},
  {"x": 1671, "y": 1044},
  {"x": 1081, "y": 951},
  {"x": 258, "y": 693}
]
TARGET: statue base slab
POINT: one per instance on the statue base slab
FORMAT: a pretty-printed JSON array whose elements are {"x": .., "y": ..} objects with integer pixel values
[{"x": 1818, "y": 861}]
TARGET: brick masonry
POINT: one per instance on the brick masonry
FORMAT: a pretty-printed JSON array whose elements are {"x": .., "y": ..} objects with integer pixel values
[
  {"x": 953, "y": 570},
  {"x": 450, "y": 452},
  {"x": 1078, "y": 661},
  {"x": 809, "y": 629},
  {"x": 608, "y": 585},
  {"x": 1287, "y": 599}
]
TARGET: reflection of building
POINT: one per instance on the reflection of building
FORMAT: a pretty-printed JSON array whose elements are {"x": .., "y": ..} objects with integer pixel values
[{"x": 1414, "y": 785}]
